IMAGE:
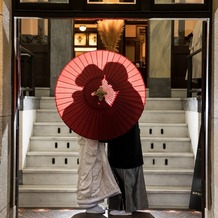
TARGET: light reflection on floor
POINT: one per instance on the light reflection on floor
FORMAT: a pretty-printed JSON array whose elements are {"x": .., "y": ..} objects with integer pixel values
[
  {"x": 69, "y": 213},
  {"x": 175, "y": 214}
]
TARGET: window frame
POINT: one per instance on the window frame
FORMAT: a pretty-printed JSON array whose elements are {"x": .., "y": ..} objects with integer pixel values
[
  {"x": 81, "y": 9},
  {"x": 206, "y": 6}
]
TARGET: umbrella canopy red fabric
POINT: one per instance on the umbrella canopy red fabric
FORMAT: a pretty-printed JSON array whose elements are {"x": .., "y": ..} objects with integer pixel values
[{"x": 100, "y": 94}]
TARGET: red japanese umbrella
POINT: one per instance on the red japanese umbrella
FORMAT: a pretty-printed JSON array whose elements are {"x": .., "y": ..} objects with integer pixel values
[{"x": 100, "y": 94}]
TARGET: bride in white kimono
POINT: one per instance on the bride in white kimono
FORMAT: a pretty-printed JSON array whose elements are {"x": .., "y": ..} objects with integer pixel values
[{"x": 95, "y": 178}]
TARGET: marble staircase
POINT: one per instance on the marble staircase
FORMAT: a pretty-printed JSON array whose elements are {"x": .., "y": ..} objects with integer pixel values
[{"x": 50, "y": 176}]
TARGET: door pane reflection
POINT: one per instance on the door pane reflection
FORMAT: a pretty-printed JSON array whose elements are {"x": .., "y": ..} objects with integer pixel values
[
  {"x": 111, "y": 1},
  {"x": 179, "y": 1},
  {"x": 45, "y": 1}
]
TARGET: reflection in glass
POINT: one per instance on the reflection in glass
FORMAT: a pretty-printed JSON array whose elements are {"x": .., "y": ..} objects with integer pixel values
[
  {"x": 45, "y": 1},
  {"x": 80, "y": 39},
  {"x": 93, "y": 39},
  {"x": 111, "y": 1},
  {"x": 34, "y": 31},
  {"x": 179, "y": 1}
]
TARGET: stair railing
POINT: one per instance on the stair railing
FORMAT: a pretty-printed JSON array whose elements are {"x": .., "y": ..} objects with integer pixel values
[
  {"x": 190, "y": 90},
  {"x": 28, "y": 63}
]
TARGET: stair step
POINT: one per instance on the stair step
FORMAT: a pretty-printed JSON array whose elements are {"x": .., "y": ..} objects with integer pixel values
[
  {"x": 47, "y": 188},
  {"x": 168, "y": 197},
  {"x": 164, "y": 144},
  {"x": 48, "y": 115},
  {"x": 45, "y": 143},
  {"x": 168, "y": 189},
  {"x": 52, "y": 129},
  {"x": 178, "y": 93},
  {"x": 60, "y": 176},
  {"x": 56, "y": 196},
  {"x": 151, "y": 103},
  {"x": 47, "y": 103},
  {"x": 42, "y": 91},
  {"x": 164, "y": 104},
  {"x": 70, "y": 159},
  {"x": 164, "y": 129},
  {"x": 65, "y": 196},
  {"x": 49, "y": 176},
  {"x": 160, "y": 116},
  {"x": 170, "y": 116},
  {"x": 168, "y": 177},
  {"x": 52, "y": 159},
  {"x": 168, "y": 160},
  {"x": 147, "y": 129}
]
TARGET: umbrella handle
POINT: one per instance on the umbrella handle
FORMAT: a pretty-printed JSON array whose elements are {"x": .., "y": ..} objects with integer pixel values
[{"x": 100, "y": 93}]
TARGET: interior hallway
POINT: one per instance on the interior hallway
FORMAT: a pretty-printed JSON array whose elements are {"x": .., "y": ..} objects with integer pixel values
[{"x": 70, "y": 213}]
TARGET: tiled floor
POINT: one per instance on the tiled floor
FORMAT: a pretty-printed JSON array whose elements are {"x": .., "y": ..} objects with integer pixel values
[{"x": 70, "y": 213}]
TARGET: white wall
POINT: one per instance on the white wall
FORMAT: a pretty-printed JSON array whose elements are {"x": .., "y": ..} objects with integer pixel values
[
  {"x": 193, "y": 121},
  {"x": 26, "y": 118}
]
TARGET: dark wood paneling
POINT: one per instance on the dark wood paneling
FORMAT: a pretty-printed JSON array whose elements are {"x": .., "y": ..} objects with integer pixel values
[
  {"x": 179, "y": 66},
  {"x": 41, "y": 66}
]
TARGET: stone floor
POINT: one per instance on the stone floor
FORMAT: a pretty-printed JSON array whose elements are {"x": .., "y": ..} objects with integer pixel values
[{"x": 70, "y": 213}]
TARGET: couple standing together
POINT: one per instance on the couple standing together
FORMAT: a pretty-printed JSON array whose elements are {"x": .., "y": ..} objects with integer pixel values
[{"x": 116, "y": 176}]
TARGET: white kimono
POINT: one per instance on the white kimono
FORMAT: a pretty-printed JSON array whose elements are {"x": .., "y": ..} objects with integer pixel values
[{"x": 95, "y": 178}]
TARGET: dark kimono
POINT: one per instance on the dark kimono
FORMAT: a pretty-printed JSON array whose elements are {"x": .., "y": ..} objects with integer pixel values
[{"x": 126, "y": 160}]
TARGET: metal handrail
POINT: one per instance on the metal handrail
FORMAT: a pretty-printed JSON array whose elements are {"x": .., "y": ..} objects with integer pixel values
[
  {"x": 30, "y": 90},
  {"x": 26, "y": 50},
  {"x": 190, "y": 90}
]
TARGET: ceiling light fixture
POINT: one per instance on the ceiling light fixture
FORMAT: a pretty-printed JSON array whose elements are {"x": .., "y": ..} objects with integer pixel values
[{"x": 82, "y": 28}]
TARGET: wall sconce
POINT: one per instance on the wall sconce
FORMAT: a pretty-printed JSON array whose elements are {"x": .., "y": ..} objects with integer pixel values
[{"x": 82, "y": 28}]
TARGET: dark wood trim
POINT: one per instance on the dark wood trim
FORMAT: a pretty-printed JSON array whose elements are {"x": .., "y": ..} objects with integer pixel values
[
  {"x": 110, "y": 14},
  {"x": 142, "y": 9}
]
